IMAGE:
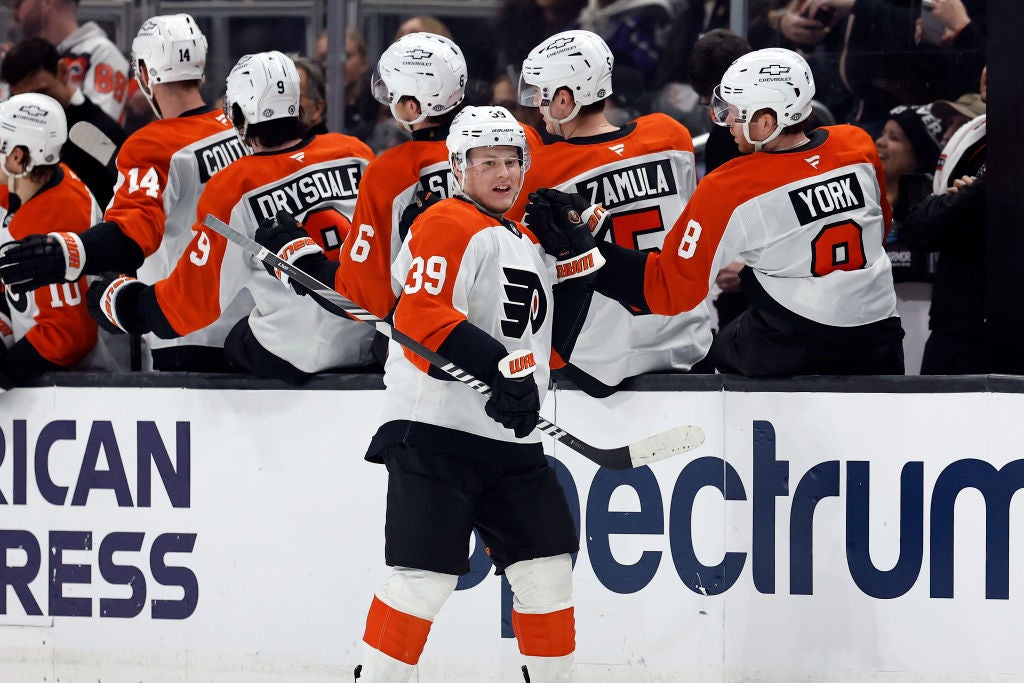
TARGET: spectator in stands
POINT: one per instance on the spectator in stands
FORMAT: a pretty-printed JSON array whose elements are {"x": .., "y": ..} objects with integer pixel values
[
  {"x": 953, "y": 222},
  {"x": 95, "y": 63},
  {"x": 49, "y": 328},
  {"x": 884, "y": 65},
  {"x": 313, "y": 96},
  {"x": 361, "y": 110},
  {"x": 33, "y": 65},
  {"x": 908, "y": 149},
  {"x": 818, "y": 33},
  {"x": 422, "y": 24},
  {"x": 637, "y": 31},
  {"x": 522, "y": 24}
]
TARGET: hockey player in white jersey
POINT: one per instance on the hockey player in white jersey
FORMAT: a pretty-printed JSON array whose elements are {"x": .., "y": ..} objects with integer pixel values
[
  {"x": 643, "y": 173},
  {"x": 313, "y": 177},
  {"x": 478, "y": 290},
  {"x": 808, "y": 217},
  {"x": 162, "y": 169}
]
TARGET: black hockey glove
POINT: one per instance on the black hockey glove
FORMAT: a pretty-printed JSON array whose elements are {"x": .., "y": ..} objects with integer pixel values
[
  {"x": 565, "y": 225},
  {"x": 420, "y": 202},
  {"x": 40, "y": 260},
  {"x": 113, "y": 303},
  {"x": 515, "y": 403},
  {"x": 284, "y": 236}
]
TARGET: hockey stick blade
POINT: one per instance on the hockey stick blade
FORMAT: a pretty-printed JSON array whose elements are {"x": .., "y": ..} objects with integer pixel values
[
  {"x": 643, "y": 452},
  {"x": 92, "y": 141}
]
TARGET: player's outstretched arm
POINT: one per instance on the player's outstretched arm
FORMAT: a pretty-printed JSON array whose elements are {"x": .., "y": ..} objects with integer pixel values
[{"x": 40, "y": 260}]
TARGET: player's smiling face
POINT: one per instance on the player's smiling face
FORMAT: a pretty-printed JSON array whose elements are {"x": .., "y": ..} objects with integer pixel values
[{"x": 494, "y": 176}]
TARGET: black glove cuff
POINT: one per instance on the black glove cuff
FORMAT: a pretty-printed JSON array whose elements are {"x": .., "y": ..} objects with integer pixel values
[
  {"x": 109, "y": 249},
  {"x": 622, "y": 276}
]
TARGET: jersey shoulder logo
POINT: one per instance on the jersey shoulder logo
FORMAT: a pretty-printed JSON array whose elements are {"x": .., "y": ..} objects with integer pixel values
[{"x": 524, "y": 304}]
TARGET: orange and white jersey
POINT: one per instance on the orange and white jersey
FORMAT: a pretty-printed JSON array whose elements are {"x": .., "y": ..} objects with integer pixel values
[
  {"x": 643, "y": 174},
  {"x": 459, "y": 264},
  {"x": 391, "y": 182},
  {"x": 54, "y": 319},
  {"x": 215, "y": 282},
  {"x": 810, "y": 223},
  {"x": 162, "y": 169},
  {"x": 97, "y": 67}
]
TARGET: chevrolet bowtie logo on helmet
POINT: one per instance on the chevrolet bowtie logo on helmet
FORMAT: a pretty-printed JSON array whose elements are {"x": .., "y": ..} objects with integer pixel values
[
  {"x": 418, "y": 53},
  {"x": 774, "y": 70},
  {"x": 32, "y": 111},
  {"x": 560, "y": 43}
]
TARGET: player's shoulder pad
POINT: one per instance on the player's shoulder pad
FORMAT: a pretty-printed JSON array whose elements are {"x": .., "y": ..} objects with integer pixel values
[{"x": 349, "y": 145}]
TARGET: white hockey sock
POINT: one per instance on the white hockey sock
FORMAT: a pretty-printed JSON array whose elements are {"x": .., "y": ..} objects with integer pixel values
[
  {"x": 549, "y": 669},
  {"x": 380, "y": 668}
]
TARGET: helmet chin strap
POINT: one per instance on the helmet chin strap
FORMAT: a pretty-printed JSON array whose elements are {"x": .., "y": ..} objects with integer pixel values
[
  {"x": 759, "y": 144},
  {"x": 148, "y": 94},
  {"x": 407, "y": 125},
  {"x": 557, "y": 123}
]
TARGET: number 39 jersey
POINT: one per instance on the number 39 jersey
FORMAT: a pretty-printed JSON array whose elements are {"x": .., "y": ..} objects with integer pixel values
[
  {"x": 161, "y": 171},
  {"x": 460, "y": 264},
  {"x": 391, "y": 182},
  {"x": 643, "y": 175},
  {"x": 810, "y": 223},
  {"x": 315, "y": 181}
]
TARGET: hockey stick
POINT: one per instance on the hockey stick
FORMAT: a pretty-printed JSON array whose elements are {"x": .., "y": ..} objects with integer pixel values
[
  {"x": 639, "y": 454},
  {"x": 92, "y": 141}
]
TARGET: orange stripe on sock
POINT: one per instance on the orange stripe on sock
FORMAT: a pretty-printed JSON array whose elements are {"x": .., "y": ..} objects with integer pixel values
[
  {"x": 395, "y": 633},
  {"x": 545, "y": 635}
]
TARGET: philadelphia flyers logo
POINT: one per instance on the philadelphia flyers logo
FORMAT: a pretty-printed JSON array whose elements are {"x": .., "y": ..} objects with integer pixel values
[{"x": 525, "y": 303}]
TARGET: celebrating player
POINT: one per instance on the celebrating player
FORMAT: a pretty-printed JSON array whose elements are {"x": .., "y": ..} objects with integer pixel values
[
  {"x": 315, "y": 178},
  {"x": 162, "y": 169},
  {"x": 806, "y": 214},
  {"x": 477, "y": 291},
  {"x": 48, "y": 329},
  {"x": 642, "y": 173}
]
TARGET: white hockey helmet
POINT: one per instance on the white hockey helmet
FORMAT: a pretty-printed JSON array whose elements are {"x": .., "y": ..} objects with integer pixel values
[
  {"x": 265, "y": 86},
  {"x": 578, "y": 60},
  {"x": 36, "y": 122},
  {"x": 485, "y": 127},
  {"x": 773, "y": 78},
  {"x": 425, "y": 66},
  {"x": 172, "y": 48}
]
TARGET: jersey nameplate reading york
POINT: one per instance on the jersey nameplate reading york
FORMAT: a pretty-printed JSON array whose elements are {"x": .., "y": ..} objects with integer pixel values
[{"x": 827, "y": 198}]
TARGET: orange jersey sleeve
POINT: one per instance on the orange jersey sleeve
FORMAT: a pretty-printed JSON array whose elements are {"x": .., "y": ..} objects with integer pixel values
[
  {"x": 143, "y": 165},
  {"x": 364, "y": 275},
  {"x": 61, "y": 330}
]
